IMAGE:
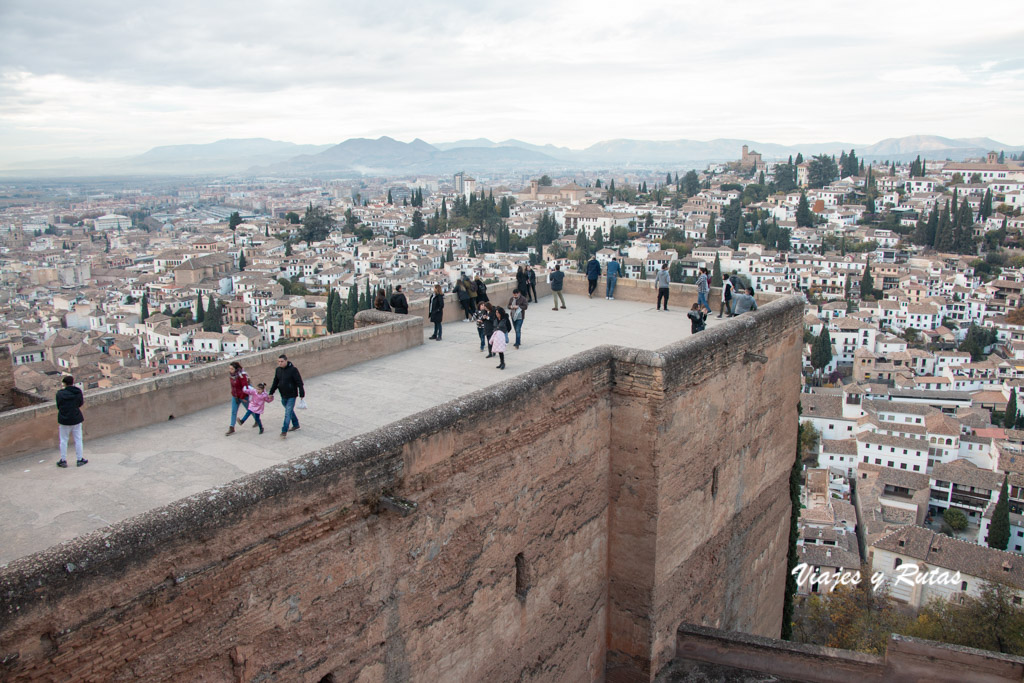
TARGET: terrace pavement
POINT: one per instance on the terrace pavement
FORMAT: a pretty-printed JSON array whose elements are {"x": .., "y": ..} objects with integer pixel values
[{"x": 136, "y": 471}]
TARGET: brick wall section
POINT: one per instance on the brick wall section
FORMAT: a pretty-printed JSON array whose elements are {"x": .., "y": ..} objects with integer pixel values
[
  {"x": 113, "y": 411},
  {"x": 298, "y": 571}
]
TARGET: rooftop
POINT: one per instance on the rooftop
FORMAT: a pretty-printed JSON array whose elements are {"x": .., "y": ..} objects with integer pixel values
[{"x": 136, "y": 471}]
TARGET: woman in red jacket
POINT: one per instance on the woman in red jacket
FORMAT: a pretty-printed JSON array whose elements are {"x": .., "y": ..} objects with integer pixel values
[{"x": 239, "y": 381}]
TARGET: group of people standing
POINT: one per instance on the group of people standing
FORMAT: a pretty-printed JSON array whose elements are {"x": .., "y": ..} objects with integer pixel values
[
  {"x": 612, "y": 272},
  {"x": 494, "y": 324}
]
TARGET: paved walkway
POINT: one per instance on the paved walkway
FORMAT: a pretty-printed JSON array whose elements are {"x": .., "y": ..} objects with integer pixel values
[{"x": 129, "y": 473}]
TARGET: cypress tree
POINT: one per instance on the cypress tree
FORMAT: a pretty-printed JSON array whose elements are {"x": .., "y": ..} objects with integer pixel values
[
  {"x": 867, "y": 283},
  {"x": 200, "y": 312},
  {"x": 716, "y": 273},
  {"x": 999, "y": 529},
  {"x": 1010, "y": 418},
  {"x": 944, "y": 233},
  {"x": 804, "y": 217},
  {"x": 710, "y": 235},
  {"x": 241, "y": 261},
  {"x": 145, "y": 307}
]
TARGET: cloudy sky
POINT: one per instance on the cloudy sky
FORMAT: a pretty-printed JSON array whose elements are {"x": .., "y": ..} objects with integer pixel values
[{"x": 105, "y": 78}]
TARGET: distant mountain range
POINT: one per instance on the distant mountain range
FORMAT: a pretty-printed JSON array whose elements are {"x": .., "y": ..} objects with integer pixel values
[{"x": 386, "y": 156}]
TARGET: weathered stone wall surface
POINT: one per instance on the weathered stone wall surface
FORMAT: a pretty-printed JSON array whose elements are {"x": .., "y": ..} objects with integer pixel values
[
  {"x": 710, "y": 654},
  {"x": 6, "y": 380},
  {"x": 699, "y": 495},
  {"x": 558, "y": 541},
  {"x": 112, "y": 411}
]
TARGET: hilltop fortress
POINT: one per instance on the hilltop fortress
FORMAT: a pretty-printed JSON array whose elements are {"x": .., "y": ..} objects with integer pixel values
[{"x": 635, "y": 491}]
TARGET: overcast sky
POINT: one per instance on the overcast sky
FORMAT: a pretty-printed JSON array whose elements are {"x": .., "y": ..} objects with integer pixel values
[{"x": 105, "y": 78}]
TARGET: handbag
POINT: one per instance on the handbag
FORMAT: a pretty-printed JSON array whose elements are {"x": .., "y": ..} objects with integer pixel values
[{"x": 301, "y": 405}]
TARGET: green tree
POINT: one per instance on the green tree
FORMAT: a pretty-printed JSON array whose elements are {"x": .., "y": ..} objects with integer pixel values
[
  {"x": 293, "y": 218},
  {"x": 242, "y": 263},
  {"x": 390, "y": 199},
  {"x": 545, "y": 181},
  {"x": 233, "y": 222},
  {"x": 200, "y": 312},
  {"x": 710, "y": 235},
  {"x": 804, "y": 217},
  {"x": 212, "y": 321},
  {"x": 416, "y": 230},
  {"x": 821, "y": 351},
  {"x": 691, "y": 183},
  {"x": 955, "y": 518},
  {"x": 675, "y": 271},
  {"x": 316, "y": 224},
  {"x": 821, "y": 171},
  {"x": 999, "y": 529},
  {"x": 867, "y": 283},
  {"x": 716, "y": 272},
  {"x": 144, "y": 310},
  {"x": 944, "y": 232}
]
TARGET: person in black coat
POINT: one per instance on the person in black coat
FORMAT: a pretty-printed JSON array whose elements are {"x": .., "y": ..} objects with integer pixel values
[
  {"x": 532, "y": 276},
  {"x": 69, "y": 420},
  {"x": 523, "y": 281},
  {"x": 288, "y": 380},
  {"x": 435, "y": 311},
  {"x": 398, "y": 301},
  {"x": 481, "y": 291}
]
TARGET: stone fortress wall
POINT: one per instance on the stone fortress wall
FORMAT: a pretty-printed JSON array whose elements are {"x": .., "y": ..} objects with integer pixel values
[{"x": 558, "y": 526}]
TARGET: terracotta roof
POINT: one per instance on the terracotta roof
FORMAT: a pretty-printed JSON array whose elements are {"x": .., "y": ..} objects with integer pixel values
[{"x": 938, "y": 550}]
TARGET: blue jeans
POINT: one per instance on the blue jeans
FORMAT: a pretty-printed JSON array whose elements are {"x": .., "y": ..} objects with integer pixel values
[
  {"x": 610, "y": 288},
  {"x": 289, "y": 413},
  {"x": 702, "y": 299},
  {"x": 518, "y": 325},
  {"x": 235, "y": 402},
  {"x": 483, "y": 340}
]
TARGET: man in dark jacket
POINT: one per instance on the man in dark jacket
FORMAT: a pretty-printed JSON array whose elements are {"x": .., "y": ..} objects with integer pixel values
[
  {"x": 289, "y": 381},
  {"x": 69, "y": 420},
  {"x": 593, "y": 273},
  {"x": 555, "y": 278},
  {"x": 532, "y": 276},
  {"x": 398, "y": 301}
]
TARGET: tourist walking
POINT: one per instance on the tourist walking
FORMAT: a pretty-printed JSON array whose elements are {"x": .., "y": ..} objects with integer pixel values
[
  {"x": 499, "y": 336},
  {"x": 399, "y": 303},
  {"x": 69, "y": 420},
  {"x": 744, "y": 301},
  {"x": 435, "y": 311},
  {"x": 258, "y": 399},
  {"x": 662, "y": 280},
  {"x": 517, "y": 306},
  {"x": 239, "y": 380},
  {"x": 703, "y": 287},
  {"x": 698, "y": 318},
  {"x": 288, "y": 380},
  {"x": 380, "y": 302},
  {"x": 726, "y": 299},
  {"x": 611, "y": 274},
  {"x": 555, "y": 278},
  {"x": 593, "y": 273},
  {"x": 531, "y": 275}
]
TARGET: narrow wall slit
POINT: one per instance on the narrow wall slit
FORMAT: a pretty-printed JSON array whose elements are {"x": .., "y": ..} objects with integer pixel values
[{"x": 522, "y": 577}]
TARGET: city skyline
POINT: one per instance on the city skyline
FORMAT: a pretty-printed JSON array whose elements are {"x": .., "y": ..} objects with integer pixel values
[{"x": 95, "y": 82}]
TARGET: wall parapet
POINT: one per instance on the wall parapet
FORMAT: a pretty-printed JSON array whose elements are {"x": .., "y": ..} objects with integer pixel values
[
  {"x": 148, "y": 401},
  {"x": 905, "y": 659}
]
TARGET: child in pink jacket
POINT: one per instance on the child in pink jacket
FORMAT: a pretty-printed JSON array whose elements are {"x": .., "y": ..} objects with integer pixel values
[{"x": 258, "y": 398}]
